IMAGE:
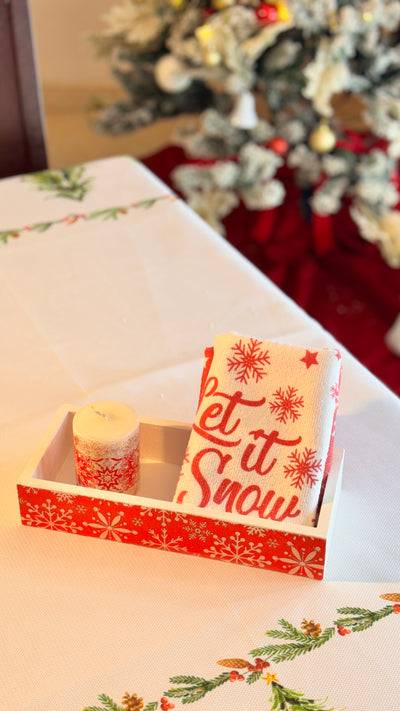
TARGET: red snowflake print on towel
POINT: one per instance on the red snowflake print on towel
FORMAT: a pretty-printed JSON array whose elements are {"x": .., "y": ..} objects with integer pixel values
[
  {"x": 287, "y": 404},
  {"x": 248, "y": 361},
  {"x": 303, "y": 469},
  {"x": 334, "y": 391}
]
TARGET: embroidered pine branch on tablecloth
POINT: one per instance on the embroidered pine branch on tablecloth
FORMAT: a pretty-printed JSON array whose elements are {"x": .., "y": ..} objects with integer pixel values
[
  {"x": 300, "y": 642},
  {"x": 69, "y": 183},
  {"x": 108, "y": 213},
  {"x": 72, "y": 184},
  {"x": 295, "y": 642}
]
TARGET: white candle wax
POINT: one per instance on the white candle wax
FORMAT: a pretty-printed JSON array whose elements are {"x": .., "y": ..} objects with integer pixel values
[{"x": 106, "y": 444}]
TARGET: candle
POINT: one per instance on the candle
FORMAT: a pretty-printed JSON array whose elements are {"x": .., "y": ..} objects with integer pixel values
[{"x": 106, "y": 446}]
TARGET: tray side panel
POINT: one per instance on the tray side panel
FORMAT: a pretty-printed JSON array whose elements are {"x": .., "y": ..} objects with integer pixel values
[{"x": 167, "y": 530}]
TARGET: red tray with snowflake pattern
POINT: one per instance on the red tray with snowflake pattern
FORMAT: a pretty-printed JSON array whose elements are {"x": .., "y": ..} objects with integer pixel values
[{"x": 50, "y": 497}]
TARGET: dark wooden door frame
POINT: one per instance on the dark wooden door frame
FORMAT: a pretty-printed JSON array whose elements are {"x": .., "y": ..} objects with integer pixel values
[{"x": 22, "y": 143}]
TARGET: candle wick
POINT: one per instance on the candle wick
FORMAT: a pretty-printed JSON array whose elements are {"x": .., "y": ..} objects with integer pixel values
[{"x": 102, "y": 414}]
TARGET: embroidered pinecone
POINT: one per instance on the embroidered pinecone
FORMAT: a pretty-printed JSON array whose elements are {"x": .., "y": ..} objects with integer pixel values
[
  {"x": 233, "y": 663},
  {"x": 392, "y": 597},
  {"x": 132, "y": 703},
  {"x": 311, "y": 628}
]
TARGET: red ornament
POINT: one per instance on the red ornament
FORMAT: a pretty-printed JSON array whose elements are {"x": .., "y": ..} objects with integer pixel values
[
  {"x": 279, "y": 145},
  {"x": 266, "y": 14}
]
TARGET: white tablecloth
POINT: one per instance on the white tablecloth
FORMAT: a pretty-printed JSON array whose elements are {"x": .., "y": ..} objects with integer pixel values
[{"x": 113, "y": 297}]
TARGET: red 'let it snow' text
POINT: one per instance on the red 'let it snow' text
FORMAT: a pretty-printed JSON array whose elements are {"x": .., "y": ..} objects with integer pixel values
[{"x": 219, "y": 425}]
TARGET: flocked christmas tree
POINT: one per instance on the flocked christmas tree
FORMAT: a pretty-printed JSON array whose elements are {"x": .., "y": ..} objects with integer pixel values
[{"x": 268, "y": 81}]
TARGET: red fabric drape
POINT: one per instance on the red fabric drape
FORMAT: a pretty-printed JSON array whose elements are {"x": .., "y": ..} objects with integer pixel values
[{"x": 323, "y": 265}]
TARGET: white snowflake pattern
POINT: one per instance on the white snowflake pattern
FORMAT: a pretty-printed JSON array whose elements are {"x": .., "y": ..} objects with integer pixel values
[
  {"x": 80, "y": 508},
  {"x": 31, "y": 490},
  {"x": 107, "y": 526},
  {"x": 137, "y": 521},
  {"x": 180, "y": 516},
  {"x": 248, "y": 361},
  {"x": 256, "y": 531},
  {"x": 160, "y": 515},
  {"x": 48, "y": 515},
  {"x": 293, "y": 536},
  {"x": 273, "y": 543},
  {"x": 236, "y": 549},
  {"x": 262, "y": 533},
  {"x": 287, "y": 404},
  {"x": 303, "y": 469},
  {"x": 63, "y": 496},
  {"x": 197, "y": 529},
  {"x": 160, "y": 539},
  {"x": 302, "y": 563},
  {"x": 146, "y": 511}
]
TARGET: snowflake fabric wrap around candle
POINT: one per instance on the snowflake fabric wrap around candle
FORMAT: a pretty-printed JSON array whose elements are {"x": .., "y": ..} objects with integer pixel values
[
  {"x": 262, "y": 439},
  {"x": 106, "y": 446}
]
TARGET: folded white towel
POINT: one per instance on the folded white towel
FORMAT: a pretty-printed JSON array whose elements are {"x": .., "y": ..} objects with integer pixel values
[{"x": 262, "y": 439}]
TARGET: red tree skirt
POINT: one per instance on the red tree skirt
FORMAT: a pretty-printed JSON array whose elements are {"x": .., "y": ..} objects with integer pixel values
[{"x": 325, "y": 267}]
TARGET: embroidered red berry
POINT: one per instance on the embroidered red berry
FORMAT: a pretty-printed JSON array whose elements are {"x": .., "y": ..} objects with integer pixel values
[
  {"x": 235, "y": 676},
  {"x": 343, "y": 630},
  {"x": 165, "y": 704},
  {"x": 261, "y": 664},
  {"x": 396, "y": 609}
]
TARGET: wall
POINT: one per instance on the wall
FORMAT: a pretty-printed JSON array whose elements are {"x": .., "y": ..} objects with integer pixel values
[
  {"x": 61, "y": 30},
  {"x": 71, "y": 76}
]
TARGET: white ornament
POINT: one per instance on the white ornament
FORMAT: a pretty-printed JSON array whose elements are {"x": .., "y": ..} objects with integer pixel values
[
  {"x": 244, "y": 114},
  {"x": 171, "y": 75}
]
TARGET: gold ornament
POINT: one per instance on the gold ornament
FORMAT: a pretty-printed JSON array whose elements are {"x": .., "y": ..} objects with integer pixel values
[
  {"x": 222, "y": 4},
  {"x": 333, "y": 22},
  {"x": 212, "y": 58},
  {"x": 283, "y": 12},
  {"x": 367, "y": 16},
  {"x": 332, "y": 15},
  {"x": 322, "y": 139},
  {"x": 204, "y": 34}
]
